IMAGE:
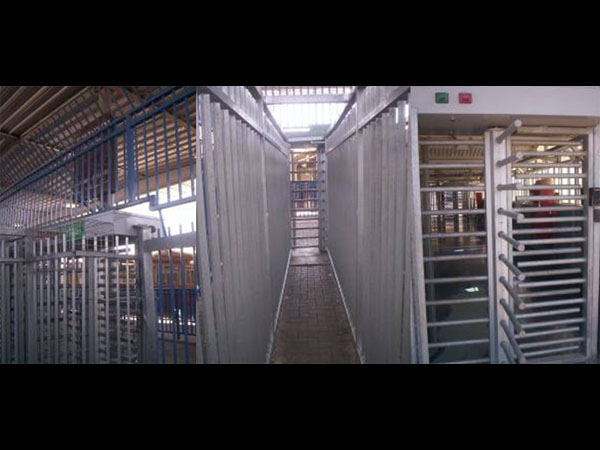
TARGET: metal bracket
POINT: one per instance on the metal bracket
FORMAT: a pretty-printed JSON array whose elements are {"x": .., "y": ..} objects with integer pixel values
[{"x": 595, "y": 197}]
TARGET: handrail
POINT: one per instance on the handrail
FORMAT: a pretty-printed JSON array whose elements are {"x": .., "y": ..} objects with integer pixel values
[
  {"x": 351, "y": 102},
  {"x": 363, "y": 119}
]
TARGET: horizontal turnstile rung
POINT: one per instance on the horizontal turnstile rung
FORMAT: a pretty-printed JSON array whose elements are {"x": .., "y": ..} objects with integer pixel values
[
  {"x": 549, "y": 304},
  {"x": 454, "y": 257},
  {"x": 552, "y": 351},
  {"x": 455, "y": 280},
  {"x": 452, "y": 212},
  {"x": 458, "y": 301},
  {"x": 452, "y": 166},
  {"x": 459, "y": 343},
  {"x": 454, "y": 235},
  {"x": 451, "y": 323},
  {"x": 454, "y": 189}
]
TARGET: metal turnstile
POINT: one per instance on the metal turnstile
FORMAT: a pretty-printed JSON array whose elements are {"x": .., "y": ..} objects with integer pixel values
[
  {"x": 545, "y": 259},
  {"x": 305, "y": 198},
  {"x": 509, "y": 261}
]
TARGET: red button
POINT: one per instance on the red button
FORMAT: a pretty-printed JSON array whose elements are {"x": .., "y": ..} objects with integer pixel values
[{"x": 465, "y": 98}]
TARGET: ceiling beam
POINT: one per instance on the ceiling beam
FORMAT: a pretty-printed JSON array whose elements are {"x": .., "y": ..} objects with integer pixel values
[
  {"x": 39, "y": 108},
  {"x": 41, "y": 91}
]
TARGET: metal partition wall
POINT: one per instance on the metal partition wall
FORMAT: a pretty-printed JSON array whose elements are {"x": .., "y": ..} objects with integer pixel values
[
  {"x": 243, "y": 223},
  {"x": 369, "y": 221}
]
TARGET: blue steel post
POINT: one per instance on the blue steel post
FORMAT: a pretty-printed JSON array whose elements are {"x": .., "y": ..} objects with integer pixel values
[{"x": 130, "y": 166}]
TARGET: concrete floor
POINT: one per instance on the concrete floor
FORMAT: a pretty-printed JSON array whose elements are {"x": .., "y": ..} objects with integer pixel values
[{"x": 313, "y": 327}]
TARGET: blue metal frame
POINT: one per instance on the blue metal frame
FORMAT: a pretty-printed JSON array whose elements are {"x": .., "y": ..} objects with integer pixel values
[{"x": 68, "y": 178}]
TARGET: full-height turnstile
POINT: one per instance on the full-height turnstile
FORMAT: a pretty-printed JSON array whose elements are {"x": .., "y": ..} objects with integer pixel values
[
  {"x": 307, "y": 198},
  {"x": 510, "y": 251},
  {"x": 79, "y": 292}
]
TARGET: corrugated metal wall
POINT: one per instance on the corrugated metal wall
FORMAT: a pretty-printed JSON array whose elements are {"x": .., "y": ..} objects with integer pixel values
[
  {"x": 243, "y": 225},
  {"x": 370, "y": 224}
]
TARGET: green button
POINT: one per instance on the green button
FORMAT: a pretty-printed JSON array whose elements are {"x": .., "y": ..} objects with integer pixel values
[{"x": 442, "y": 97}]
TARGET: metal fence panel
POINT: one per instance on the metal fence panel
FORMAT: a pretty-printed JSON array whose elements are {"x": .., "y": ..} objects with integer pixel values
[
  {"x": 243, "y": 221},
  {"x": 369, "y": 222}
]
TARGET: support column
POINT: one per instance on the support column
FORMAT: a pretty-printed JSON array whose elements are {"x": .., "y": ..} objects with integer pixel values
[
  {"x": 149, "y": 332},
  {"x": 592, "y": 145},
  {"x": 497, "y": 223},
  {"x": 418, "y": 273},
  {"x": 30, "y": 313},
  {"x": 323, "y": 197},
  {"x": 20, "y": 309},
  {"x": 130, "y": 157},
  {"x": 205, "y": 317}
]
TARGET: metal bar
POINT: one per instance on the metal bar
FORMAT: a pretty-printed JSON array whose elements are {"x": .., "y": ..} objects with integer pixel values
[
  {"x": 552, "y": 241},
  {"x": 453, "y": 212},
  {"x": 471, "y": 361},
  {"x": 455, "y": 280},
  {"x": 551, "y": 220},
  {"x": 552, "y": 323},
  {"x": 554, "y": 175},
  {"x": 204, "y": 321},
  {"x": 511, "y": 214},
  {"x": 550, "y": 283},
  {"x": 517, "y": 273},
  {"x": 516, "y": 244},
  {"x": 431, "y": 166},
  {"x": 572, "y": 301},
  {"x": 209, "y": 146},
  {"x": 551, "y": 197},
  {"x": 547, "y": 230},
  {"x": 552, "y": 154},
  {"x": 544, "y": 273},
  {"x": 552, "y": 351},
  {"x": 451, "y": 323},
  {"x": 507, "y": 352},
  {"x": 558, "y": 312},
  {"x": 459, "y": 343},
  {"x": 513, "y": 343},
  {"x": 441, "y": 143},
  {"x": 555, "y": 251},
  {"x": 509, "y": 131},
  {"x": 457, "y": 301},
  {"x": 542, "y": 187},
  {"x": 513, "y": 318},
  {"x": 547, "y": 166},
  {"x": 550, "y": 293},
  {"x": 550, "y": 332},
  {"x": 529, "y": 345},
  {"x": 513, "y": 293},
  {"x": 454, "y": 257},
  {"x": 454, "y": 235},
  {"x": 454, "y": 189},
  {"x": 510, "y": 159}
]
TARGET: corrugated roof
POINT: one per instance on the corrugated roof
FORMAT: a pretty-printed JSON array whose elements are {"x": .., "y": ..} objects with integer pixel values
[{"x": 39, "y": 122}]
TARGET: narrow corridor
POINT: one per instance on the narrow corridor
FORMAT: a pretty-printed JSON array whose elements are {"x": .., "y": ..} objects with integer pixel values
[{"x": 313, "y": 326}]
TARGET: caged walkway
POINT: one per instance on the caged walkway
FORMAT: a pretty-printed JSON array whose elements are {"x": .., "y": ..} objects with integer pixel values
[{"x": 313, "y": 327}]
